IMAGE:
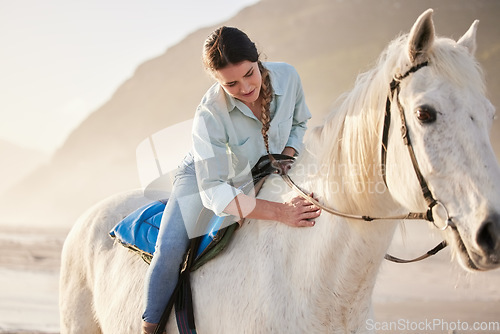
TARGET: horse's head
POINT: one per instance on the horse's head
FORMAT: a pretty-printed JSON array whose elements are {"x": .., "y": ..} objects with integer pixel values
[{"x": 448, "y": 119}]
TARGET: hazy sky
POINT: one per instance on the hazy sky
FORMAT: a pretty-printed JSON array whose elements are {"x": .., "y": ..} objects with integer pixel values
[{"x": 61, "y": 59}]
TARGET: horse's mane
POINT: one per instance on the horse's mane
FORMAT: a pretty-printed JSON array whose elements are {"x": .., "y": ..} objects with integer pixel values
[{"x": 350, "y": 138}]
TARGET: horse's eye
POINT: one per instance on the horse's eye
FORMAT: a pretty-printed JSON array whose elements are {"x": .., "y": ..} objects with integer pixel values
[{"x": 426, "y": 114}]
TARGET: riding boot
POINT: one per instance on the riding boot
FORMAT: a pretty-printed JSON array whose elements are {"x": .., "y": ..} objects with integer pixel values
[{"x": 149, "y": 328}]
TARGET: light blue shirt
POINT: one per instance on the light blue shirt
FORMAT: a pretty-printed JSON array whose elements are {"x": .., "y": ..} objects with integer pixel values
[{"x": 227, "y": 138}]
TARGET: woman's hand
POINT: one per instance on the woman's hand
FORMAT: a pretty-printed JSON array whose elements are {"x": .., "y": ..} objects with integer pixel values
[{"x": 299, "y": 212}]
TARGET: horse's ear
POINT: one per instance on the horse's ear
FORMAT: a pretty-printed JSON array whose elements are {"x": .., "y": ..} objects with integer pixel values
[
  {"x": 421, "y": 36},
  {"x": 469, "y": 38}
]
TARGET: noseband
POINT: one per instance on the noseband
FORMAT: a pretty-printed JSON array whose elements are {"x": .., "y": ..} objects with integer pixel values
[{"x": 395, "y": 89}]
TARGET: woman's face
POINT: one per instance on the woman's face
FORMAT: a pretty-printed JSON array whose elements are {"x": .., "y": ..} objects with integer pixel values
[{"x": 241, "y": 80}]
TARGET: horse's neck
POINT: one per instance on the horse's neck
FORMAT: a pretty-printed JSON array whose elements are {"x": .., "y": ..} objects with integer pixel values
[
  {"x": 332, "y": 267},
  {"x": 347, "y": 271},
  {"x": 335, "y": 262}
]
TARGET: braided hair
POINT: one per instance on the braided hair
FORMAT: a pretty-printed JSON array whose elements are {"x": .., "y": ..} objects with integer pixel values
[
  {"x": 266, "y": 92},
  {"x": 228, "y": 45}
]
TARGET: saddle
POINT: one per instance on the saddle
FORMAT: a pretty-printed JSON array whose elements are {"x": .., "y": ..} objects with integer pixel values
[{"x": 139, "y": 232}]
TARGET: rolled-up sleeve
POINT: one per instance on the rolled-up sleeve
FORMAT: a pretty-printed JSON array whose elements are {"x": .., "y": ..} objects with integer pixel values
[{"x": 212, "y": 161}]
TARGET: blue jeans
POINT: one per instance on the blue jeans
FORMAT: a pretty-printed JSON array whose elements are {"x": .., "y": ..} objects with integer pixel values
[{"x": 172, "y": 243}]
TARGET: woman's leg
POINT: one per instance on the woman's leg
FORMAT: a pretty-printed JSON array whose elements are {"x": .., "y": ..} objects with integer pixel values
[{"x": 172, "y": 243}]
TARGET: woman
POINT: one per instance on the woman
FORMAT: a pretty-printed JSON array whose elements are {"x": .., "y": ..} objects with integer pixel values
[{"x": 251, "y": 110}]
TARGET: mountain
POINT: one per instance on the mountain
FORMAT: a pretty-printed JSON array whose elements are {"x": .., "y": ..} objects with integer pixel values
[
  {"x": 17, "y": 163},
  {"x": 329, "y": 42}
]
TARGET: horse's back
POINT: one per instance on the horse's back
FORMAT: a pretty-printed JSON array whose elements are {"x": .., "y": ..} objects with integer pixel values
[
  {"x": 90, "y": 234},
  {"x": 91, "y": 268}
]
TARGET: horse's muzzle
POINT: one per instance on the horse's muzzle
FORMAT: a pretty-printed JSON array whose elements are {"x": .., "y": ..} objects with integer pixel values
[{"x": 488, "y": 243}]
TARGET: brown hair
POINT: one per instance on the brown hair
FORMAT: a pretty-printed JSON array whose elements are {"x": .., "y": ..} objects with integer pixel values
[{"x": 228, "y": 45}]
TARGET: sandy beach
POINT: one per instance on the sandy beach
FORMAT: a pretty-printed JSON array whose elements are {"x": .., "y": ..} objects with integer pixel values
[
  {"x": 433, "y": 296},
  {"x": 29, "y": 278}
]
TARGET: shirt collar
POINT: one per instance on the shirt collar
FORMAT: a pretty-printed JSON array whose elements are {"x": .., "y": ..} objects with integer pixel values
[
  {"x": 277, "y": 85},
  {"x": 231, "y": 101}
]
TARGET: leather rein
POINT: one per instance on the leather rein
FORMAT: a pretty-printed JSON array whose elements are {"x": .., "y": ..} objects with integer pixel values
[{"x": 395, "y": 88}]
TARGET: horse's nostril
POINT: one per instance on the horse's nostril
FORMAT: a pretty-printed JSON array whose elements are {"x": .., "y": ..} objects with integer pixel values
[{"x": 488, "y": 236}]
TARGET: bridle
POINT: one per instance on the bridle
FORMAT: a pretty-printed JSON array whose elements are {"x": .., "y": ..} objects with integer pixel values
[{"x": 395, "y": 89}]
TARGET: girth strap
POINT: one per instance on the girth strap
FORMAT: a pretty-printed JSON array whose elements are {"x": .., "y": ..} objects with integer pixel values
[
  {"x": 181, "y": 283},
  {"x": 182, "y": 291}
]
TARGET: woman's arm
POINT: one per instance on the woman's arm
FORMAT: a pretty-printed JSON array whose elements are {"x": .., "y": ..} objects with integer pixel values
[
  {"x": 290, "y": 151},
  {"x": 297, "y": 212}
]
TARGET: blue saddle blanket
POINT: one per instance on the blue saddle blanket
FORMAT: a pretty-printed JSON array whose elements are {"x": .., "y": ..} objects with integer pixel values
[{"x": 139, "y": 230}]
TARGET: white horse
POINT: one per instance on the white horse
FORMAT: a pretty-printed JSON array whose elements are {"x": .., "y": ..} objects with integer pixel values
[{"x": 275, "y": 279}]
